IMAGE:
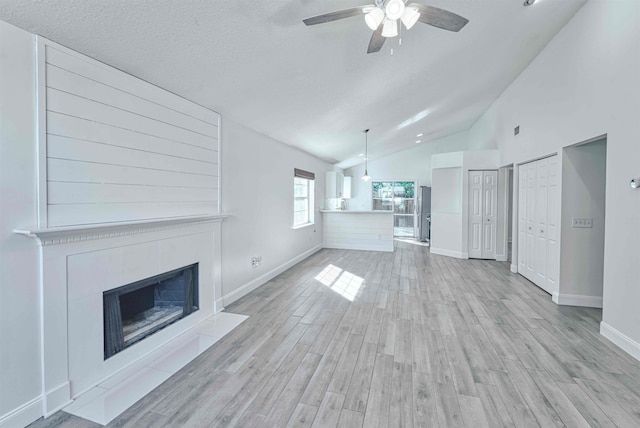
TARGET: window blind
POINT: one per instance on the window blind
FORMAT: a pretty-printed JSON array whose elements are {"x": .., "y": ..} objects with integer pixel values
[{"x": 301, "y": 173}]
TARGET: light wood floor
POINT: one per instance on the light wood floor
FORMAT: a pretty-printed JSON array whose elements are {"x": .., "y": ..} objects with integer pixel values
[{"x": 427, "y": 341}]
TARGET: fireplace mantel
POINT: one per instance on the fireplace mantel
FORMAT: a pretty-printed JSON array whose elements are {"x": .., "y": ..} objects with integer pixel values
[
  {"x": 79, "y": 263},
  {"x": 85, "y": 232}
]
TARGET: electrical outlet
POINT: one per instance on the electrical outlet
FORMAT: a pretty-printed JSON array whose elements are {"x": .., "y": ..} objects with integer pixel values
[
  {"x": 581, "y": 222},
  {"x": 255, "y": 261}
]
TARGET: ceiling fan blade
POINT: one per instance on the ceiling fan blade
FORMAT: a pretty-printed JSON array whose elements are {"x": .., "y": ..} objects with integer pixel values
[
  {"x": 334, "y": 16},
  {"x": 440, "y": 18},
  {"x": 376, "y": 42}
]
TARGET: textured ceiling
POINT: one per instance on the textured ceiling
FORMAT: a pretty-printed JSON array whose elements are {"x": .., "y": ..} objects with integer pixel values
[{"x": 310, "y": 87}]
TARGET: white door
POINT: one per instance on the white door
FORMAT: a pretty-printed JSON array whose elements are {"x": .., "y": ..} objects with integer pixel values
[
  {"x": 530, "y": 238},
  {"x": 490, "y": 208},
  {"x": 475, "y": 214},
  {"x": 553, "y": 224},
  {"x": 483, "y": 206},
  {"x": 522, "y": 217},
  {"x": 538, "y": 222}
]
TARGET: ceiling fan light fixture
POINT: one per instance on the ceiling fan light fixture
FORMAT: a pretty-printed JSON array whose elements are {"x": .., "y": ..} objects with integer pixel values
[
  {"x": 410, "y": 17},
  {"x": 394, "y": 9},
  {"x": 390, "y": 28},
  {"x": 374, "y": 18}
]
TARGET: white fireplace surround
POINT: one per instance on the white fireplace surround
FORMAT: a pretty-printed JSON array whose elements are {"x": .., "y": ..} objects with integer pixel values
[{"x": 79, "y": 263}]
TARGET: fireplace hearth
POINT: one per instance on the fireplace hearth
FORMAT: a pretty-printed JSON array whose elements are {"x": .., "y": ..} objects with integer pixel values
[{"x": 137, "y": 310}]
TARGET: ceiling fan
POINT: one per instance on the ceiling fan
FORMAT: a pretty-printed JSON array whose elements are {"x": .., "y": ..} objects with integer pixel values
[{"x": 383, "y": 18}]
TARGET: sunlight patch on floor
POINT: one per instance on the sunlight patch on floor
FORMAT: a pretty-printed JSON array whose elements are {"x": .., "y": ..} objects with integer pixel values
[
  {"x": 328, "y": 275},
  {"x": 342, "y": 282}
]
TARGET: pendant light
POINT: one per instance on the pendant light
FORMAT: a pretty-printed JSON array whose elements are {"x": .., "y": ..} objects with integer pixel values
[{"x": 366, "y": 176}]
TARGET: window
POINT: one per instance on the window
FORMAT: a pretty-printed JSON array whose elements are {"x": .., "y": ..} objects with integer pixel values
[
  {"x": 399, "y": 197},
  {"x": 303, "y": 191}
]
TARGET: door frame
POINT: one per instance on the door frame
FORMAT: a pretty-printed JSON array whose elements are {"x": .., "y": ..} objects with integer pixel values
[
  {"x": 416, "y": 211},
  {"x": 496, "y": 215}
]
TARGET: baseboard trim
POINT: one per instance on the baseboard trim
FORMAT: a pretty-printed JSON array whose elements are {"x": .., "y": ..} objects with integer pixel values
[
  {"x": 262, "y": 279},
  {"x": 57, "y": 398},
  {"x": 23, "y": 415},
  {"x": 384, "y": 248},
  {"x": 621, "y": 340},
  {"x": 219, "y": 305},
  {"x": 577, "y": 300},
  {"x": 514, "y": 268},
  {"x": 501, "y": 258},
  {"x": 449, "y": 253}
]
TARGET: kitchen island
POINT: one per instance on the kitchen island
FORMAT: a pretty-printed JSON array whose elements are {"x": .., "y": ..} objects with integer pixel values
[{"x": 358, "y": 230}]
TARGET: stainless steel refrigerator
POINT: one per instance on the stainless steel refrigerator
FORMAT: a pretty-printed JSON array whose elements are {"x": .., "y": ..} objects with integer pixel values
[{"x": 425, "y": 213}]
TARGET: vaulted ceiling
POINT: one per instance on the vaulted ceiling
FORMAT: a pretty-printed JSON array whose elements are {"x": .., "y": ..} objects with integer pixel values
[{"x": 314, "y": 88}]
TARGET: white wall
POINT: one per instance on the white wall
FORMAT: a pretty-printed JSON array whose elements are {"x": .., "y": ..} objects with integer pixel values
[
  {"x": 257, "y": 190},
  {"x": 446, "y": 212},
  {"x": 20, "y": 382},
  {"x": 583, "y": 85},
  {"x": 411, "y": 164}
]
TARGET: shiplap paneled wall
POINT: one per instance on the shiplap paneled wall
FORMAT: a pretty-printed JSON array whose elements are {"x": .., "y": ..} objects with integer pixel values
[
  {"x": 352, "y": 230},
  {"x": 120, "y": 149}
]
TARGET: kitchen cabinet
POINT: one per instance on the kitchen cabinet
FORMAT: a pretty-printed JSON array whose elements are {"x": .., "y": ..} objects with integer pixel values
[{"x": 334, "y": 185}]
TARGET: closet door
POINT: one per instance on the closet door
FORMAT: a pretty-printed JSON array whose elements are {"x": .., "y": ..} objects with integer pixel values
[
  {"x": 530, "y": 238},
  {"x": 483, "y": 206},
  {"x": 553, "y": 223},
  {"x": 475, "y": 214},
  {"x": 522, "y": 217},
  {"x": 538, "y": 222},
  {"x": 489, "y": 208},
  {"x": 540, "y": 225}
]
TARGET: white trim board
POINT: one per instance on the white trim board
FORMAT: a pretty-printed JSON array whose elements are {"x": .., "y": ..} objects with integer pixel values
[
  {"x": 577, "y": 300},
  {"x": 23, "y": 415},
  {"x": 449, "y": 253},
  {"x": 621, "y": 340},
  {"x": 263, "y": 279},
  {"x": 385, "y": 247}
]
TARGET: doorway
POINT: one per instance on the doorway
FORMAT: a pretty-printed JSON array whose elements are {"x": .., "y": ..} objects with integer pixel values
[
  {"x": 583, "y": 224},
  {"x": 399, "y": 197}
]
